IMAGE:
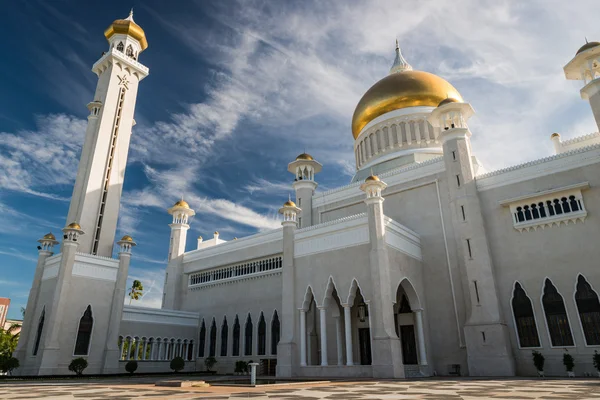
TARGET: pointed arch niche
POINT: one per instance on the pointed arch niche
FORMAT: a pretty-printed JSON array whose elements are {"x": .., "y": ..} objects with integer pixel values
[
  {"x": 212, "y": 345},
  {"x": 235, "y": 351},
  {"x": 262, "y": 335},
  {"x": 38, "y": 334},
  {"x": 275, "y": 333},
  {"x": 202, "y": 340},
  {"x": 557, "y": 320},
  {"x": 84, "y": 333},
  {"x": 588, "y": 308},
  {"x": 525, "y": 323},
  {"x": 248, "y": 336},
  {"x": 224, "y": 335}
]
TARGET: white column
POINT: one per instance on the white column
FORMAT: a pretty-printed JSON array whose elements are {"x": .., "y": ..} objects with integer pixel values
[
  {"x": 144, "y": 344},
  {"x": 137, "y": 349},
  {"x": 185, "y": 347},
  {"x": 340, "y": 347},
  {"x": 322, "y": 320},
  {"x": 303, "y": 338},
  {"x": 160, "y": 347},
  {"x": 348, "y": 329},
  {"x": 391, "y": 140},
  {"x": 417, "y": 131},
  {"x": 152, "y": 349},
  {"x": 420, "y": 336}
]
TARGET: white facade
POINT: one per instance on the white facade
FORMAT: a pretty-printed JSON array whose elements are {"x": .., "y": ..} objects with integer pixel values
[{"x": 432, "y": 266}]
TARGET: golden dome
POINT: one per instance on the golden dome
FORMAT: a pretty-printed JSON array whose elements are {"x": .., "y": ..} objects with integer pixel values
[
  {"x": 216, "y": 232},
  {"x": 587, "y": 46},
  {"x": 448, "y": 100},
  {"x": 372, "y": 178},
  {"x": 127, "y": 238},
  {"x": 554, "y": 135},
  {"x": 400, "y": 90},
  {"x": 304, "y": 156},
  {"x": 49, "y": 236},
  {"x": 289, "y": 203},
  {"x": 127, "y": 27},
  {"x": 74, "y": 225},
  {"x": 182, "y": 203}
]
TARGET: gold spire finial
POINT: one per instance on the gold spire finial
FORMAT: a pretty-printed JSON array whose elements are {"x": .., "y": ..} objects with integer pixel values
[
  {"x": 400, "y": 64},
  {"x": 586, "y": 41},
  {"x": 397, "y": 45}
]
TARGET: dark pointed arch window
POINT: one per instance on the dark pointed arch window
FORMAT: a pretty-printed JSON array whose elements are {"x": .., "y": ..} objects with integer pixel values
[
  {"x": 524, "y": 318},
  {"x": 248, "y": 336},
  {"x": 275, "y": 333},
  {"x": 556, "y": 316},
  {"x": 38, "y": 335},
  {"x": 235, "y": 351},
  {"x": 588, "y": 308},
  {"x": 202, "y": 340},
  {"x": 224, "y": 333},
  {"x": 212, "y": 347},
  {"x": 84, "y": 334},
  {"x": 120, "y": 47},
  {"x": 404, "y": 306},
  {"x": 262, "y": 335}
]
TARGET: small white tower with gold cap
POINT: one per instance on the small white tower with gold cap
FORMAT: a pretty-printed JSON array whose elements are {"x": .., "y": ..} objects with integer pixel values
[
  {"x": 286, "y": 351},
  {"x": 181, "y": 213},
  {"x": 304, "y": 168},
  {"x": 585, "y": 66}
]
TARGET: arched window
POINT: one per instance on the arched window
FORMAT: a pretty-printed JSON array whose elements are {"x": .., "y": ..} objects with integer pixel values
[
  {"x": 129, "y": 51},
  {"x": 236, "y": 337},
  {"x": 84, "y": 334},
  {"x": 38, "y": 335},
  {"x": 224, "y": 333},
  {"x": 212, "y": 347},
  {"x": 248, "y": 336},
  {"x": 524, "y": 318},
  {"x": 275, "y": 333},
  {"x": 202, "y": 340},
  {"x": 556, "y": 316},
  {"x": 120, "y": 47},
  {"x": 588, "y": 307},
  {"x": 262, "y": 336}
]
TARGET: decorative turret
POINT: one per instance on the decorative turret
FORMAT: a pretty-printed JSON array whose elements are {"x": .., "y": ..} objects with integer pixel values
[
  {"x": 585, "y": 66},
  {"x": 72, "y": 232},
  {"x": 125, "y": 244},
  {"x": 373, "y": 187},
  {"x": 181, "y": 213},
  {"x": 47, "y": 242},
  {"x": 451, "y": 114},
  {"x": 290, "y": 212},
  {"x": 304, "y": 168}
]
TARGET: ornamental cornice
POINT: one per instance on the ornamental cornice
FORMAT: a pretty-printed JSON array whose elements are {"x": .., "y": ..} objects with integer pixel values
[
  {"x": 235, "y": 279},
  {"x": 579, "y": 139}
]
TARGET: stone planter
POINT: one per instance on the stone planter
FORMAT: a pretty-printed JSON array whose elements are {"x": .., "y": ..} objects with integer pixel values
[{"x": 541, "y": 374}]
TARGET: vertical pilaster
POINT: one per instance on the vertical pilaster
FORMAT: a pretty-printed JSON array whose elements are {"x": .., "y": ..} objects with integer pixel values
[
  {"x": 323, "y": 334},
  {"x": 386, "y": 349},
  {"x": 302, "y": 338},
  {"x": 286, "y": 349},
  {"x": 348, "y": 333}
]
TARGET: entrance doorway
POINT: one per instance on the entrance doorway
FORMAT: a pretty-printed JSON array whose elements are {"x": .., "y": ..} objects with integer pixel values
[
  {"x": 409, "y": 345},
  {"x": 364, "y": 343}
]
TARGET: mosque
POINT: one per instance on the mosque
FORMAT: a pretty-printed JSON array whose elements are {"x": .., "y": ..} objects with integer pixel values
[{"x": 424, "y": 264}]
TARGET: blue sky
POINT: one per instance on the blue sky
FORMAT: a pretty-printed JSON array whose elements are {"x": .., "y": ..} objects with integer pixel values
[{"x": 238, "y": 88}]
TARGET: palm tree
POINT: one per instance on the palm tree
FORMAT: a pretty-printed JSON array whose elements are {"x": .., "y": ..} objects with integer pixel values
[
  {"x": 8, "y": 340},
  {"x": 136, "y": 290}
]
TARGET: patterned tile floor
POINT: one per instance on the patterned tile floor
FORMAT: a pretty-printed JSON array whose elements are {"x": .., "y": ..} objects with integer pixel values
[{"x": 430, "y": 389}]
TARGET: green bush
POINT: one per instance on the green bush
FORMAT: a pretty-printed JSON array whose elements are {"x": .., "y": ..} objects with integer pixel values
[
  {"x": 596, "y": 360},
  {"x": 568, "y": 362},
  {"x": 241, "y": 366},
  {"x": 131, "y": 366},
  {"x": 177, "y": 364},
  {"x": 538, "y": 360},
  {"x": 8, "y": 363},
  {"x": 78, "y": 365},
  {"x": 210, "y": 362}
]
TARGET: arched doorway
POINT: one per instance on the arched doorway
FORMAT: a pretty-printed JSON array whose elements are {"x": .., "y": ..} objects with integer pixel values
[
  {"x": 360, "y": 326},
  {"x": 408, "y": 315}
]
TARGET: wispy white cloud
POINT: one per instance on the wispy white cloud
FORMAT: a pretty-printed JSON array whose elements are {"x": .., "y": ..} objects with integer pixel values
[{"x": 12, "y": 252}]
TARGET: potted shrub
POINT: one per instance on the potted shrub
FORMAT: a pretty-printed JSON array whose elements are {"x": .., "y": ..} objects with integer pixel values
[
  {"x": 569, "y": 363},
  {"x": 209, "y": 362},
  {"x": 131, "y": 366},
  {"x": 8, "y": 363},
  {"x": 177, "y": 364},
  {"x": 78, "y": 365},
  {"x": 240, "y": 367},
  {"x": 538, "y": 361},
  {"x": 596, "y": 360}
]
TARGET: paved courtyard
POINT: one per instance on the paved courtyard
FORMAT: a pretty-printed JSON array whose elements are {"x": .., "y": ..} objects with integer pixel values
[{"x": 418, "y": 389}]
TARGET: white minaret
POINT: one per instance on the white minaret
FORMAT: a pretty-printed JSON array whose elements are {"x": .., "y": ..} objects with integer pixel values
[
  {"x": 98, "y": 186},
  {"x": 304, "y": 168},
  {"x": 181, "y": 213},
  {"x": 585, "y": 66}
]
